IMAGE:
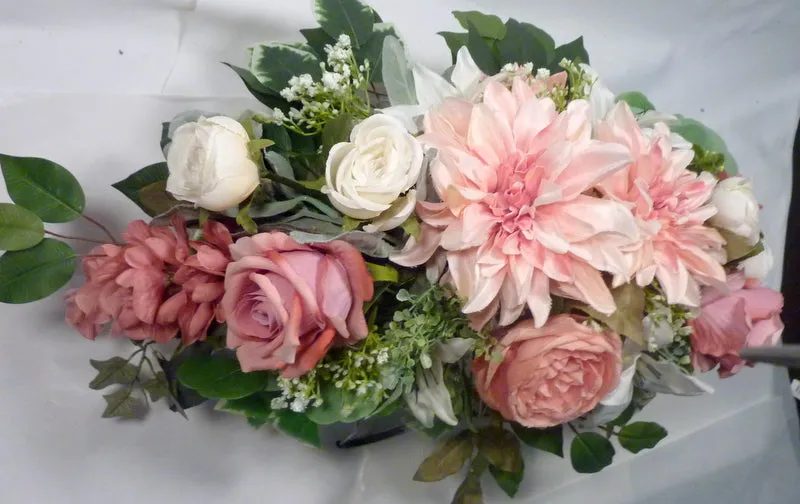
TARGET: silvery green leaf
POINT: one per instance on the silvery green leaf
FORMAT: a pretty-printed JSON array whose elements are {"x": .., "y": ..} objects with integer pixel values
[
  {"x": 453, "y": 349},
  {"x": 282, "y": 167},
  {"x": 371, "y": 244},
  {"x": 430, "y": 397},
  {"x": 397, "y": 76},
  {"x": 663, "y": 377}
]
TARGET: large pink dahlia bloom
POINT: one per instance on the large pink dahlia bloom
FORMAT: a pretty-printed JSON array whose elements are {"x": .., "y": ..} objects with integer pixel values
[
  {"x": 671, "y": 205},
  {"x": 517, "y": 221}
]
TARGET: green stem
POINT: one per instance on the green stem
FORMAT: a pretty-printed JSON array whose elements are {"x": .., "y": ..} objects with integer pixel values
[
  {"x": 293, "y": 184},
  {"x": 77, "y": 238},
  {"x": 608, "y": 430},
  {"x": 573, "y": 428}
]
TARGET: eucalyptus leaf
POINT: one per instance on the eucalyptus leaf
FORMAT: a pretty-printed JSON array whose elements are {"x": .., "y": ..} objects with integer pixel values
[
  {"x": 501, "y": 448},
  {"x": 45, "y": 188},
  {"x": 447, "y": 458},
  {"x": 219, "y": 376},
  {"x": 397, "y": 76},
  {"x": 299, "y": 426},
  {"x": 273, "y": 64},
  {"x": 35, "y": 273},
  {"x": 136, "y": 181},
  {"x": 371, "y": 244},
  {"x": 115, "y": 370},
  {"x": 488, "y": 25},
  {"x": 157, "y": 387},
  {"x": 550, "y": 440},
  {"x": 121, "y": 404},
  {"x": 482, "y": 52},
  {"x": 639, "y": 436},
  {"x": 349, "y": 17},
  {"x": 19, "y": 227},
  {"x": 591, "y": 452}
]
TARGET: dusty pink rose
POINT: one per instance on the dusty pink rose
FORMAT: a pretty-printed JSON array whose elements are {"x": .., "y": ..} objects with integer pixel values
[
  {"x": 549, "y": 375},
  {"x": 748, "y": 317},
  {"x": 152, "y": 287},
  {"x": 286, "y": 303}
]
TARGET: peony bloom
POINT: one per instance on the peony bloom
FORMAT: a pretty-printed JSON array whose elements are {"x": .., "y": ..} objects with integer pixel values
[
  {"x": 286, "y": 303},
  {"x": 748, "y": 317},
  {"x": 514, "y": 221},
  {"x": 671, "y": 204},
  {"x": 549, "y": 375}
]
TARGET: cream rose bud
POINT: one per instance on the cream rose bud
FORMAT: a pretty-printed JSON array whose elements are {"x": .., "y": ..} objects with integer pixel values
[
  {"x": 371, "y": 176},
  {"x": 737, "y": 208},
  {"x": 758, "y": 266},
  {"x": 210, "y": 165}
]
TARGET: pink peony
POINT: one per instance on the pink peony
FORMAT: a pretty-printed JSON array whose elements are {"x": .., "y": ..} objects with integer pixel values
[
  {"x": 516, "y": 221},
  {"x": 286, "y": 303},
  {"x": 748, "y": 317},
  {"x": 549, "y": 375},
  {"x": 152, "y": 287},
  {"x": 671, "y": 205}
]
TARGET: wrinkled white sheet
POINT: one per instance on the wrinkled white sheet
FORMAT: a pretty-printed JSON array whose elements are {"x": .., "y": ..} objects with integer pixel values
[{"x": 87, "y": 83}]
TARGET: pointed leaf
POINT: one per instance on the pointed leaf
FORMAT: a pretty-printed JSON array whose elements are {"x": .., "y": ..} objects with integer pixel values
[
  {"x": 122, "y": 404},
  {"x": 520, "y": 45},
  {"x": 115, "y": 370},
  {"x": 299, "y": 426},
  {"x": 572, "y": 51},
  {"x": 256, "y": 423},
  {"x": 550, "y": 440},
  {"x": 35, "y": 273},
  {"x": 508, "y": 481},
  {"x": 482, "y": 52},
  {"x": 138, "y": 180},
  {"x": 623, "y": 417},
  {"x": 317, "y": 39},
  {"x": 470, "y": 492},
  {"x": 19, "y": 227},
  {"x": 383, "y": 273},
  {"x": 335, "y": 131},
  {"x": 396, "y": 71},
  {"x": 591, "y": 452},
  {"x": 278, "y": 134},
  {"x": 252, "y": 406},
  {"x": 488, "y": 25},
  {"x": 273, "y": 64},
  {"x": 501, "y": 448},
  {"x": 447, "y": 459},
  {"x": 544, "y": 39},
  {"x": 636, "y": 100},
  {"x": 639, "y": 436},
  {"x": 454, "y": 41},
  {"x": 155, "y": 199},
  {"x": 157, "y": 386},
  {"x": 45, "y": 188},
  {"x": 372, "y": 51},
  {"x": 627, "y": 319},
  {"x": 261, "y": 93},
  {"x": 350, "y": 17},
  {"x": 219, "y": 376}
]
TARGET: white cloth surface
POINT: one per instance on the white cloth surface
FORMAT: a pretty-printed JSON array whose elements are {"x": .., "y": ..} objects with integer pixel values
[{"x": 87, "y": 83}]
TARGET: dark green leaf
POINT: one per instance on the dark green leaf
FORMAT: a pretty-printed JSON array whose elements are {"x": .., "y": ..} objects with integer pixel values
[
  {"x": 182, "y": 397},
  {"x": 273, "y": 64},
  {"x": 639, "y": 436},
  {"x": 501, "y": 448},
  {"x": 35, "y": 273},
  {"x": 454, "y": 41},
  {"x": 122, "y": 404},
  {"x": 572, "y": 51},
  {"x": 256, "y": 422},
  {"x": 244, "y": 220},
  {"x": 278, "y": 134},
  {"x": 636, "y": 100},
  {"x": 383, "y": 273},
  {"x": 508, "y": 481},
  {"x": 550, "y": 440},
  {"x": 148, "y": 175},
  {"x": 155, "y": 199},
  {"x": 521, "y": 46},
  {"x": 157, "y": 387},
  {"x": 219, "y": 376},
  {"x": 336, "y": 130},
  {"x": 299, "y": 426},
  {"x": 43, "y": 187},
  {"x": 447, "y": 458},
  {"x": 375, "y": 16},
  {"x": 340, "y": 405},
  {"x": 317, "y": 39},
  {"x": 19, "y": 227},
  {"x": 372, "y": 51},
  {"x": 706, "y": 138},
  {"x": 252, "y": 406},
  {"x": 261, "y": 93},
  {"x": 115, "y": 370},
  {"x": 350, "y": 17},
  {"x": 488, "y": 25},
  {"x": 396, "y": 72},
  {"x": 623, "y": 417},
  {"x": 470, "y": 492},
  {"x": 482, "y": 52},
  {"x": 544, "y": 39},
  {"x": 591, "y": 452}
]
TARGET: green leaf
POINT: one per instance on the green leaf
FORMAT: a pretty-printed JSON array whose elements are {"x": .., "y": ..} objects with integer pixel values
[
  {"x": 182, "y": 397},
  {"x": 470, "y": 492},
  {"x": 501, "y": 448},
  {"x": 447, "y": 458},
  {"x": 261, "y": 93},
  {"x": 273, "y": 64},
  {"x": 278, "y": 134},
  {"x": 43, "y": 187},
  {"x": 639, "y": 436},
  {"x": 550, "y": 440},
  {"x": 636, "y": 100},
  {"x": 383, "y": 273},
  {"x": 627, "y": 319},
  {"x": 19, "y": 227},
  {"x": 623, "y": 417},
  {"x": 256, "y": 423},
  {"x": 572, "y": 51},
  {"x": 317, "y": 39},
  {"x": 350, "y": 224},
  {"x": 157, "y": 387},
  {"x": 488, "y": 25},
  {"x": 255, "y": 145},
  {"x": 252, "y": 406},
  {"x": 591, "y": 452},
  {"x": 481, "y": 52},
  {"x": 218, "y": 376},
  {"x": 372, "y": 51},
  {"x": 299, "y": 426},
  {"x": 454, "y": 41},
  {"x": 315, "y": 185},
  {"x": 335, "y": 131},
  {"x": 155, "y": 199},
  {"x": 521, "y": 46},
  {"x": 339, "y": 405},
  {"x": 35, "y": 273},
  {"x": 698, "y": 134},
  {"x": 350, "y": 17},
  {"x": 115, "y": 370},
  {"x": 411, "y": 226},
  {"x": 371, "y": 244},
  {"x": 508, "y": 481},
  {"x": 122, "y": 404},
  {"x": 244, "y": 219},
  {"x": 396, "y": 71},
  {"x": 544, "y": 39},
  {"x": 138, "y": 180}
]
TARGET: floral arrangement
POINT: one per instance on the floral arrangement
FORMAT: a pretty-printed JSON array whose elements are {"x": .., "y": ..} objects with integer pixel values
[{"x": 506, "y": 254}]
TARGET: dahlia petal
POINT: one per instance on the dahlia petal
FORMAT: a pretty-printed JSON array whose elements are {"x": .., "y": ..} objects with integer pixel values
[
  {"x": 591, "y": 166},
  {"x": 532, "y": 118},
  {"x": 447, "y": 126},
  {"x": 593, "y": 288},
  {"x": 416, "y": 252},
  {"x": 499, "y": 100},
  {"x": 539, "y": 301},
  {"x": 486, "y": 290},
  {"x": 487, "y": 136},
  {"x": 434, "y": 214}
]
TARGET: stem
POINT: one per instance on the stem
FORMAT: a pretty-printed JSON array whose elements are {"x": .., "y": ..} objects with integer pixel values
[
  {"x": 292, "y": 183},
  {"x": 608, "y": 430},
  {"x": 102, "y": 227},
  {"x": 573, "y": 428},
  {"x": 78, "y": 238}
]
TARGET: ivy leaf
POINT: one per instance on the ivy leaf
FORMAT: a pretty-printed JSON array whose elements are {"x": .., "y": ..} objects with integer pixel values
[
  {"x": 273, "y": 64},
  {"x": 383, "y": 273},
  {"x": 636, "y": 100},
  {"x": 639, "y": 436},
  {"x": 19, "y": 227},
  {"x": 550, "y": 440},
  {"x": 591, "y": 452},
  {"x": 35, "y": 273},
  {"x": 115, "y": 370},
  {"x": 447, "y": 459},
  {"x": 219, "y": 376},
  {"x": 501, "y": 448},
  {"x": 122, "y": 404},
  {"x": 157, "y": 387},
  {"x": 627, "y": 319},
  {"x": 349, "y": 17},
  {"x": 45, "y": 188},
  {"x": 454, "y": 41},
  {"x": 298, "y": 426},
  {"x": 135, "y": 182},
  {"x": 481, "y": 52},
  {"x": 508, "y": 481},
  {"x": 396, "y": 71},
  {"x": 521, "y": 45},
  {"x": 488, "y": 25}
]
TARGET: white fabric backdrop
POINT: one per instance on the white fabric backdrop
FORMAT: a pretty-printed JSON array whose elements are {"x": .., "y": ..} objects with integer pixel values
[{"x": 87, "y": 83}]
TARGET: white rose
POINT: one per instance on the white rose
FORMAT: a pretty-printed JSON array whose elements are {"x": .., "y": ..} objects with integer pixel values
[
  {"x": 737, "y": 209},
  {"x": 758, "y": 266},
  {"x": 210, "y": 165},
  {"x": 371, "y": 176}
]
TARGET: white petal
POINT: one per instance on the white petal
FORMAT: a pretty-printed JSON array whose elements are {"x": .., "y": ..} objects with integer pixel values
[
  {"x": 395, "y": 215},
  {"x": 406, "y": 114},
  {"x": 466, "y": 73},
  {"x": 431, "y": 87},
  {"x": 664, "y": 377}
]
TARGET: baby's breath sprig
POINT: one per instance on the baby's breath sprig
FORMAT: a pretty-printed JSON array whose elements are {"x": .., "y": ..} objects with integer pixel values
[{"x": 674, "y": 317}]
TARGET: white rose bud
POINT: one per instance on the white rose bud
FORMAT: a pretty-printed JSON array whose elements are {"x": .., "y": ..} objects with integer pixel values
[
  {"x": 371, "y": 176},
  {"x": 210, "y": 165},
  {"x": 737, "y": 208},
  {"x": 758, "y": 266}
]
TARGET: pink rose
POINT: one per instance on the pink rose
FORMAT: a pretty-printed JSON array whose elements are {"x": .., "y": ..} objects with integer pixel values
[
  {"x": 549, "y": 375},
  {"x": 286, "y": 303},
  {"x": 748, "y": 317}
]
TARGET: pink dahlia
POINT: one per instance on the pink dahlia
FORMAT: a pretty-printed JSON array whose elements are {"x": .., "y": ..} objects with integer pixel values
[
  {"x": 671, "y": 205},
  {"x": 517, "y": 221}
]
